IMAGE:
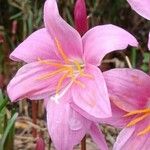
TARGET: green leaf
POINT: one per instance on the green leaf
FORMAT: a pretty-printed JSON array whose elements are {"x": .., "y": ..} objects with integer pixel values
[{"x": 7, "y": 130}]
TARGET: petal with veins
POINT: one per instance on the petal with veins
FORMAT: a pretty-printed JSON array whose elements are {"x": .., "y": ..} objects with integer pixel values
[
  {"x": 38, "y": 45},
  {"x": 103, "y": 39},
  {"x": 93, "y": 97},
  {"x": 66, "y": 127},
  {"x": 68, "y": 37},
  {"x": 129, "y": 88},
  {"x": 26, "y": 83}
]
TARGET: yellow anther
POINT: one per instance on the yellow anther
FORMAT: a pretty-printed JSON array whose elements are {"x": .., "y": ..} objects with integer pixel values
[
  {"x": 60, "y": 82},
  {"x": 137, "y": 112},
  {"x": 146, "y": 130},
  {"x": 136, "y": 120},
  {"x": 61, "y": 51}
]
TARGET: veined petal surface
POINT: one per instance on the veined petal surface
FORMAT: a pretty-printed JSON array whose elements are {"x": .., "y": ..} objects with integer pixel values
[
  {"x": 103, "y": 39},
  {"x": 38, "y": 45},
  {"x": 68, "y": 37}
]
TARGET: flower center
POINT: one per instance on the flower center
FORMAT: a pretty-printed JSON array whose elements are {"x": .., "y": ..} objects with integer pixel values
[
  {"x": 140, "y": 115},
  {"x": 70, "y": 69}
]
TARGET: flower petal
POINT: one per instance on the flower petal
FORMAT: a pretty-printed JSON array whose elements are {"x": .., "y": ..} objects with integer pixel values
[
  {"x": 141, "y": 7},
  {"x": 27, "y": 82},
  {"x": 98, "y": 137},
  {"x": 38, "y": 45},
  {"x": 128, "y": 88},
  {"x": 93, "y": 97},
  {"x": 104, "y": 39},
  {"x": 66, "y": 127},
  {"x": 123, "y": 137},
  {"x": 129, "y": 137},
  {"x": 68, "y": 37},
  {"x": 117, "y": 119}
]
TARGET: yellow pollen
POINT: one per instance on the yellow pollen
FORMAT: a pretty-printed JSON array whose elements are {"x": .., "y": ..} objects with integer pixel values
[
  {"x": 136, "y": 120},
  {"x": 61, "y": 51},
  {"x": 146, "y": 130}
]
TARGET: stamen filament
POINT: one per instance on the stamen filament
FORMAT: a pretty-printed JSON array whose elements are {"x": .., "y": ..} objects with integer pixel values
[
  {"x": 146, "y": 130},
  {"x": 48, "y": 62},
  {"x": 136, "y": 120},
  {"x": 79, "y": 83},
  {"x": 137, "y": 112},
  {"x": 45, "y": 76},
  {"x": 60, "y": 82},
  {"x": 61, "y": 51}
]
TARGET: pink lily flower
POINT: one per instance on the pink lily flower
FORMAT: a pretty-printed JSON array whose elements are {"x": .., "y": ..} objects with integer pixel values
[
  {"x": 59, "y": 60},
  {"x": 80, "y": 17},
  {"x": 130, "y": 100},
  {"x": 142, "y": 7},
  {"x": 67, "y": 127}
]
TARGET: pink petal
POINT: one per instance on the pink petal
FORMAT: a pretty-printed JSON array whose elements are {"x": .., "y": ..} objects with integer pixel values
[
  {"x": 26, "y": 83},
  {"x": 128, "y": 88},
  {"x": 128, "y": 137},
  {"x": 149, "y": 42},
  {"x": 67, "y": 36},
  {"x": 66, "y": 127},
  {"x": 38, "y": 45},
  {"x": 80, "y": 17},
  {"x": 104, "y": 39},
  {"x": 123, "y": 137},
  {"x": 98, "y": 137},
  {"x": 142, "y": 7},
  {"x": 93, "y": 98},
  {"x": 117, "y": 119}
]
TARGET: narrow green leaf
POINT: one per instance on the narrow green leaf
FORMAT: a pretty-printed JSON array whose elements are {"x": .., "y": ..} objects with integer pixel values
[{"x": 7, "y": 130}]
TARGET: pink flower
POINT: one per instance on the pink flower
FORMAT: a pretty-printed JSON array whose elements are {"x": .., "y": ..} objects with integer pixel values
[
  {"x": 80, "y": 17},
  {"x": 130, "y": 100},
  {"x": 142, "y": 7},
  {"x": 59, "y": 60},
  {"x": 67, "y": 127}
]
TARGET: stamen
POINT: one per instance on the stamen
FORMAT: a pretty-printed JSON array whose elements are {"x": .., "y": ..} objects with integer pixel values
[
  {"x": 61, "y": 51},
  {"x": 87, "y": 75},
  {"x": 60, "y": 82},
  {"x": 48, "y": 75},
  {"x": 136, "y": 120},
  {"x": 137, "y": 112},
  {"x": 79, "y": 83},
  {"x": 146, "y": 130},
  {"x": 78, "y": 66},
  {"x": 48, "y": 62}
]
